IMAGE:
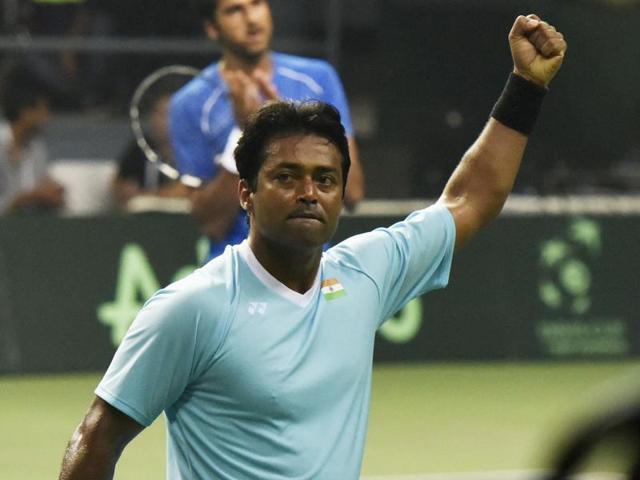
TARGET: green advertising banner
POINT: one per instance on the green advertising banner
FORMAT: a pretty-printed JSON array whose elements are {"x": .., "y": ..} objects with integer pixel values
[{"x": 530, "y": 287}]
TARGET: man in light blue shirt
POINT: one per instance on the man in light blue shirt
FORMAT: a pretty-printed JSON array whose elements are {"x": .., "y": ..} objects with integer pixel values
[
  {"x": 261, "y": 381},
  {"x": 261, "y": 359}
]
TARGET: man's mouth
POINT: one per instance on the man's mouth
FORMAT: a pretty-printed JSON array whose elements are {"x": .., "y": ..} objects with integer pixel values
[
  {"x": 255, "y": 33},
  {"x": 306, "y": 216}
]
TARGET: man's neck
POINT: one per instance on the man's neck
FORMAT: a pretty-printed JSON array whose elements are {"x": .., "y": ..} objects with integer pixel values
[
  {"x": 293, "y": 267},
  {"x": 233, "y": 62}
]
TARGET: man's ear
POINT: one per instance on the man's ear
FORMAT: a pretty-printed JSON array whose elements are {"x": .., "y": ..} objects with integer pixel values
[
  {"x": 211, "y": 30},
  {"x": 245, "y": 195}
]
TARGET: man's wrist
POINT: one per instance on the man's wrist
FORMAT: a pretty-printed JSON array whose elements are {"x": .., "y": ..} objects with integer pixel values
[
  {"x": 519, "y": 104},
  {"x": 529, "y": 78}
]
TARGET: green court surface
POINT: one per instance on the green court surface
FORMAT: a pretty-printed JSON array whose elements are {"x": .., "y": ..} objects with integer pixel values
[{"x": 425, "y": 419}]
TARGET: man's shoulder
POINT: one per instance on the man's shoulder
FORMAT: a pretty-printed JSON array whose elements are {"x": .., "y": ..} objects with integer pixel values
[
  {"x": 201, "y": 87},
  {"x": 298, "y": 63},
  {"x": 433, "y": 221},
  {"x": 345, "y": 254},
  {"x": 209, "y": 288}
]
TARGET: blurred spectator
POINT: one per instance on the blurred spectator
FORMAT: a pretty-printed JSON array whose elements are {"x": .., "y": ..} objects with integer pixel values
[
  {"x": 24, "y": 183},
  {"x": 59, "y": 18},
  {"x": 138, "y": 176},
  {"x": 77, "y": 79}
]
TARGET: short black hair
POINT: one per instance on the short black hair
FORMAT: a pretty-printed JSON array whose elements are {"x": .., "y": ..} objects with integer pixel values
[
  {"x": 205, "y": 8},
  {"x": 21, "y": 88},
  {"x": 288, "y": 118}
]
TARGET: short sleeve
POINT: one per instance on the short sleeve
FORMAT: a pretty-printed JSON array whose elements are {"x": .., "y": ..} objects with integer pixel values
[
  {"x": 168, "y": 345},
  {"x": 193, "y": 155},
  {"x": 335, "y": 95},
  {"x": 405, "y": 260},
  {"x": 227, "y": 159}
]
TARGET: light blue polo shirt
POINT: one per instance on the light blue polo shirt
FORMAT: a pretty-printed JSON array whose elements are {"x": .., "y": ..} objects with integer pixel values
[{"x": 259, "y": 381}]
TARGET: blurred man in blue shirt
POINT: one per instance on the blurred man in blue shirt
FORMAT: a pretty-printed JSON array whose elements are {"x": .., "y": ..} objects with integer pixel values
[{"x": 207, "y": 114}]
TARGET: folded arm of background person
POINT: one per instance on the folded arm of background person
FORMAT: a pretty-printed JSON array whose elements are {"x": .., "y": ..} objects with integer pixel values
[
  {"x": 97, "y": 443},
  {"x": 48, "y": 194},
  {"x": 215, "y": 206},
  {"x": 125, "y": 189},
  {"x": 481, "y": 183}
]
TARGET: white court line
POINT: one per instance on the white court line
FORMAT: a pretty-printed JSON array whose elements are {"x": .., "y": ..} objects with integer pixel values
[{"x": 502, "y": 475}]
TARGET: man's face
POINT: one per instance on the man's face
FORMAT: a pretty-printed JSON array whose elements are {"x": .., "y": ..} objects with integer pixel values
[
  {"x": 243, "y": 27},
  {"x": 298, "y": 198}
]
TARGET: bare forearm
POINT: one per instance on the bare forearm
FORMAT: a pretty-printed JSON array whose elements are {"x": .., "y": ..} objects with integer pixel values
[
  {"x": 85, "y": 461},
  {"x": 215, "y": 206},
  {"x": 355, "y": 184},
  {"x": 173, "y": 189},
  {"x": 47, "y": 193},
  {"x": 488, "y": 170},
  {"x": 97, "y": 443},
  {"x": 481, "y": 183},
  {"x": 124, "y": 190},
  {"x": 217, "y": 228},
  {"x": 23, "y": 200}
]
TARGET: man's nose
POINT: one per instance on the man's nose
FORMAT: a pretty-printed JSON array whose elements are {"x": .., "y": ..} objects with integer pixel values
[
  {"x": 253, "y": 15},
  {"x": 307, "y": 191}
]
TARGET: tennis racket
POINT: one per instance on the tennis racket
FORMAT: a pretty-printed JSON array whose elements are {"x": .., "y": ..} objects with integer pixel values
[{"x": 148, "y": 113}]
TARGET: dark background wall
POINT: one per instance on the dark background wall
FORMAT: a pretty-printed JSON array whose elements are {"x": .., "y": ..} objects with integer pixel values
[
  {"x": 421, "y": 76},
  {"x": 433, "y": 70}
]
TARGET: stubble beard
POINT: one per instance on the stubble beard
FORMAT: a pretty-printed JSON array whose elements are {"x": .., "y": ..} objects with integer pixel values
[{"x": 243, "y": 53}]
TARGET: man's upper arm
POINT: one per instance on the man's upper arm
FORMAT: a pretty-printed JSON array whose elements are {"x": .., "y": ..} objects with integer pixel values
[
  {"x": 466, "y": 220},
  {"x": 112, "y": 423},
  {"x": 98, "y": 442}
]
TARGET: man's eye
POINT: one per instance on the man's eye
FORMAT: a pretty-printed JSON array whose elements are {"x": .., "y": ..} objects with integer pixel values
[
  {"x": 233, "y": 10},
  {"x": 326, "y": 180},
  {"x": 284, "y": 177}
]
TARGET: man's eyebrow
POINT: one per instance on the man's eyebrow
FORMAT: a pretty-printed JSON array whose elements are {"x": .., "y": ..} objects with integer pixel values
[
  {"x": 328, "y": 169},
  {"x": 298, "y": 167},
  {"x": 289, "y": 165}
]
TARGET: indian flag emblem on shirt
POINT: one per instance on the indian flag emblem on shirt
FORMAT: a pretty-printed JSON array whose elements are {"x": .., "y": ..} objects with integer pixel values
[{"x": 332, "y": 289}]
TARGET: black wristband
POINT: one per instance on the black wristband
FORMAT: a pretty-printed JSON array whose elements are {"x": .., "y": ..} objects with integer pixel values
[{"x": 519, "y": 104}]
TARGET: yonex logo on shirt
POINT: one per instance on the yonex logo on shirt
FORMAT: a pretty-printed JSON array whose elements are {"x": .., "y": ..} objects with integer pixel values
[
  {"x": 257, "y": 307},
  {"x": 332, "y": 289}
]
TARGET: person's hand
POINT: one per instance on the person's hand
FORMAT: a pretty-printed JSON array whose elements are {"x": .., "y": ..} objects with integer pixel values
[
  {"x": 248, "y": 92},
  {"x": 50, "y": 193},
  {"x": 124, "y": 190},
  {"x": 537, "y": 49}
]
